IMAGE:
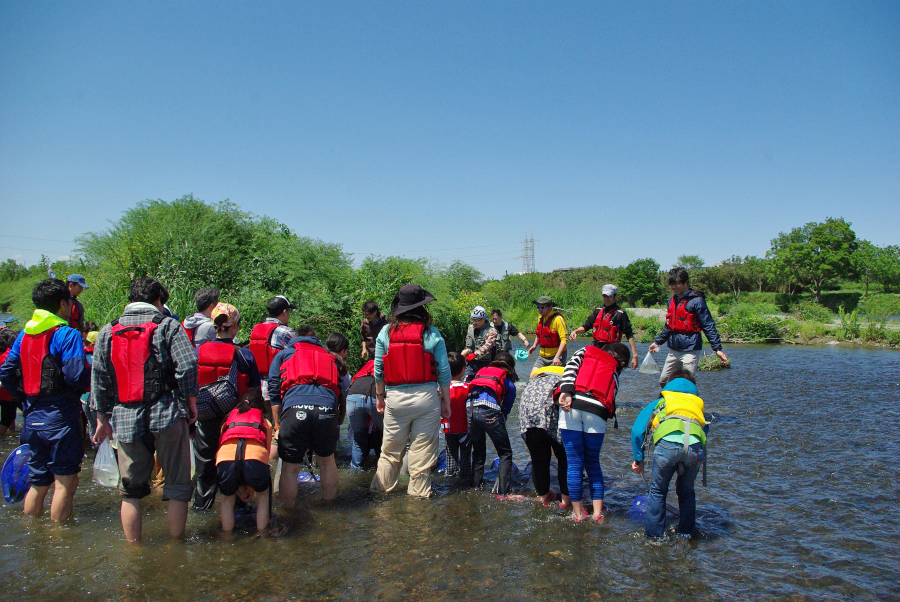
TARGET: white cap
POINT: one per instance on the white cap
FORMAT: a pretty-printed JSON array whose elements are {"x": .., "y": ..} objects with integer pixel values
[{"x": 610, "y": 290}]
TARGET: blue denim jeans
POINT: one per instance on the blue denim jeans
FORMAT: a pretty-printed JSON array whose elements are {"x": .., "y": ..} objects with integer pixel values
[
  {"x": 360, "y": 407},
  {"x": 667, "y": 458},
  {"x": 489, "y": 422}
]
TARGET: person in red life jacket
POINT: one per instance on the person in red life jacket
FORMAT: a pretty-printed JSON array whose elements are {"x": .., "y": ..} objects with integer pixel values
[
  {"x": 242, "y": 461},
  {"x": 214, "y": 361},
  {"x": 307, "y": 400},
  {"x": 366, "y": 422},
  {"x": 482, "y": 342},
  {"x": 456, "y": 427},
  {"x": 610, "y": 323},
  {"x": 550, "y": 334},
  {"x": 491, "y": 397},
  {"x": 373, "y": 322},
  {"x": 587, "y": 397},
  {"x": 144, "y": 386},
  {"x": 539, "y": 425},
  {"x": 8, "y": 405},
  {"x": 269, "y": 337},
  {"x": 76, "y": 285},
  {"x": 410, "y": 365},
  {"x": 686, "y": 316},
  {"x": 199, "y": 326},
  {"x": 46, "y": 366}
]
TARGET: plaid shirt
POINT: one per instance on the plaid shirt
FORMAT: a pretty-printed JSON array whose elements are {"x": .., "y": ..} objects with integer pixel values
[{"x": 173, "y": 349}]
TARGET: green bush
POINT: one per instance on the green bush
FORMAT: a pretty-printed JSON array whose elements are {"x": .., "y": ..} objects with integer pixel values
[
  {"x": 746, "y": 323},
  {"x": 810, "y": 311},
  {"x": 811, "y": 330}
]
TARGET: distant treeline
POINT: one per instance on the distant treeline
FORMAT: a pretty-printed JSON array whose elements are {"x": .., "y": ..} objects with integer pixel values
[{"x": 188, "y": 244}]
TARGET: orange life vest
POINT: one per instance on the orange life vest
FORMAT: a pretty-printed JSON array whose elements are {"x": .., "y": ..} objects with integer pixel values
[{"x": 250, "y": 425}]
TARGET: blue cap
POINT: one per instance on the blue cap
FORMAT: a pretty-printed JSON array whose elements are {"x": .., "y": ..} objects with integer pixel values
[{"x": 77, "y": 279}]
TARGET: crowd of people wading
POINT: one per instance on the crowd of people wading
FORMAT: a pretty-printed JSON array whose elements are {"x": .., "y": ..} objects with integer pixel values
[{"x": 175, "y": 397}]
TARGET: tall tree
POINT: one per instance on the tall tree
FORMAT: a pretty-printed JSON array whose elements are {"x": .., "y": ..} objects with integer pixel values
[
  {"x": 688, "y": 262},
  {"x": 814, "y": 254},
  {"x": 639, "y": 282}
]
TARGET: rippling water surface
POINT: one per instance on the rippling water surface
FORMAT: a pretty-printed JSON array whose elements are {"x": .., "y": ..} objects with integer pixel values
[{"x": 802, "y": 502}]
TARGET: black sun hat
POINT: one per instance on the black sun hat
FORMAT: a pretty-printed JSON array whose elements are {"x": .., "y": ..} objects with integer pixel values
[{"x": 410, "y": 296}]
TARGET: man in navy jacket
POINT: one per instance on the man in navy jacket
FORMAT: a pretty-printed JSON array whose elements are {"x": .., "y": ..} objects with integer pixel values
[{"x": 686, "y": 317}]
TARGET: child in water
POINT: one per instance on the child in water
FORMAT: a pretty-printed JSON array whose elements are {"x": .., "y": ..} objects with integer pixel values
[
  {"x": 456, "y": 428},
  {"x": 242, "y": 462},
  {"x": 491, "y": 397}
]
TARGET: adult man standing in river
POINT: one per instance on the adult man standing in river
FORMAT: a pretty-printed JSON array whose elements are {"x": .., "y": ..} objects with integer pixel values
[
  {"x": 686, "y": 317},
  {"x": 149, "y": 404}
]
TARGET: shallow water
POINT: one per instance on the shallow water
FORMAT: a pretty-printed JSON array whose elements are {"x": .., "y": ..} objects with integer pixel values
[{"x": 801, "y": 503}]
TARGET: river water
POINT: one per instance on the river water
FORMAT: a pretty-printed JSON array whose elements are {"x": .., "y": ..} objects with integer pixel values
[{"x": 801, "y": 503}]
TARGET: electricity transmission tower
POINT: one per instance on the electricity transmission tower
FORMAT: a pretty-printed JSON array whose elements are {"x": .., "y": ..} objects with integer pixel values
[{"x": 528, "y": 255}]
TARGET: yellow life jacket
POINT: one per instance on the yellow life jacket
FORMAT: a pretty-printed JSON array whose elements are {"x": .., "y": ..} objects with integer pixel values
[{"x": 676, "y": 410}]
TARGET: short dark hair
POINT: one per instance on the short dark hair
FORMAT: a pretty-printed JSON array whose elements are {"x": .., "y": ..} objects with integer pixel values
[
  {"x": 336, "y": 342},
  {"x": 90, "y": 327},
  {"x": 147, "y": 290},
  {"x": 497, "y": 312},
  {"x": 369, "y": 307},
  {"x": 48, "y": 293},
  {"x": 685, "y": 374},
  {"x": 7, "y": 338},
  {"x": 619, "y": 351},
  {"x": 507, "y": 362},
  {"x": 457, "y": 362},
  {"x": 678, "y": 275},
  {"x": 305, "y": 330},
  {"x": 205, "y": 297}
]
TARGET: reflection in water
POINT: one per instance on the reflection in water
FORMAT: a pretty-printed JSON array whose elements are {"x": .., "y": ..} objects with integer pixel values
[{"x": 801, "y": 502}]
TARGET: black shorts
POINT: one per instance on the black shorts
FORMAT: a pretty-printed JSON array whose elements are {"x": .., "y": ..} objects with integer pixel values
[
  {"x": 255, "y": 475},
  {"x": 307, "y": 427}
]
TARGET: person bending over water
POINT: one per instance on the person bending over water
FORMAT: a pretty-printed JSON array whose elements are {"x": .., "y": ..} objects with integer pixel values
[{"x": 588, "y": 397}]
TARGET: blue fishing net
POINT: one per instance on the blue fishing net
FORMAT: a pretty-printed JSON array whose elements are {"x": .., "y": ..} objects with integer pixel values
[{"x": 15, "y": 473}]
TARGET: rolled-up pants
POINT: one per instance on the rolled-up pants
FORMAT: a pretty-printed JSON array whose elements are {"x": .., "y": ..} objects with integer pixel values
[{"x": 412, "y": 415}]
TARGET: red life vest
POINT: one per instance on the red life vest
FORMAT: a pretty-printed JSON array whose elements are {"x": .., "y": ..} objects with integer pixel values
[
  {"x": 261, "y": 346},
  {"x": 406, "y": 361},
  {"x": 190, "y": 332},
  {"x": 4, "y": 394},
  {"x": 604, "y": 329},
  {"x": 491, "y": 378},
  {"x": 679, "y": 320},
  {"x": 214, "y": 361},
  {"x": 139, "y": 376},
  {"x": 546, "y": 336},
  {"x": 74, "y": 317},
  {"x": 250, "y": 425},
  {"x": 597, "y": 378},
  {"x": 41, "y": 375},
  {"x": 367, "y": 370},
  {"x": 458, "y": 423},
  {"x": 310, "y": 364}
]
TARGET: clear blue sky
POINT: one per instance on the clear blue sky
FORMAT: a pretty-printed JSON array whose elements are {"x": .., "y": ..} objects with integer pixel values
[{"x": 611, "y": 131}]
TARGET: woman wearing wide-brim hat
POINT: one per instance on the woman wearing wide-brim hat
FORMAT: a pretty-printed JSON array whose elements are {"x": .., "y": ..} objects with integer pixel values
[{"x": 410, "y": 366}]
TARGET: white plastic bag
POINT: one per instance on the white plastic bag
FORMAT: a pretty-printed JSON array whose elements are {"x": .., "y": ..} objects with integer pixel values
[
  {"x": 648, "y": 366},
  {"x": 106, "y": 471}
]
